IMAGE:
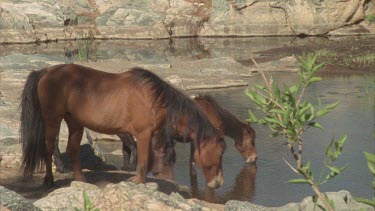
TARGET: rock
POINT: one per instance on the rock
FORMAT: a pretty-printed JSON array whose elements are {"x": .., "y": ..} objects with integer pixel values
[
  {"x": 121, "y": 196},
  {"x": 13, "y": 201},
  {"x": 42, "y": 20},
  {"x": 68, "y": 198},
  {"x": 342, "y": 200},
  {"x": 234, "y": 205}
]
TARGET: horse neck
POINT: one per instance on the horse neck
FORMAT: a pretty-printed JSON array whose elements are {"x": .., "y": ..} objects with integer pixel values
[{"x": 233, "y": 127}]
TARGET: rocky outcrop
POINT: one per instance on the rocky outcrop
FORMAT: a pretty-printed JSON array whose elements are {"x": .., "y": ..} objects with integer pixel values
[
  {"x": 48, "y": 20},
  {"x": 121, "y": 196},
  {"x": 129, "y": 196}
]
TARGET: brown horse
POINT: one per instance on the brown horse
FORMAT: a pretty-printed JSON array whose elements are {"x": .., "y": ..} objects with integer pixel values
[
  {"x": 135, "y": 102},
  {"x": 226, "y": 123},
  {"x": 229, "y": 125}
]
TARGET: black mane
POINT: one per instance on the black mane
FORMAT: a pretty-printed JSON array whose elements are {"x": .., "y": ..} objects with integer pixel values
[{"x": 178, "y": 105}]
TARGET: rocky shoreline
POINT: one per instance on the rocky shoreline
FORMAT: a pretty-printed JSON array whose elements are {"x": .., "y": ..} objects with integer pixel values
[{"x": 129, "y": 196}]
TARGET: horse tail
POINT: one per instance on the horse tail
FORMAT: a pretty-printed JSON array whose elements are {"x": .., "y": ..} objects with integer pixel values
[{"x": 32, "y": 129}]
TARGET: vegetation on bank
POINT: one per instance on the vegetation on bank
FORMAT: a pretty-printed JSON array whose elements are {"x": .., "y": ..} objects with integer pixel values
[{"x": 289, "y": 114}]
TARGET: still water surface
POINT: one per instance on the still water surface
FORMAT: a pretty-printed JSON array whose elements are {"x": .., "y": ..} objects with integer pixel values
[{"x": 266, "y": 182}]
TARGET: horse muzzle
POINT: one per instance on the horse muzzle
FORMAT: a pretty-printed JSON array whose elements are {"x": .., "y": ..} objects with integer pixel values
[
  {"x": 217, "y": 181},
  {"x": 251, "y": 159}
]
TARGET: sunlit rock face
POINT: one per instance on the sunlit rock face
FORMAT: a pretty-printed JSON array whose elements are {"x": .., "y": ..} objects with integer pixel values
[{"x": 45, "y": 20}]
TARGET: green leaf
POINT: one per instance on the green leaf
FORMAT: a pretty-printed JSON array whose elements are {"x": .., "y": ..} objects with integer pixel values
[
  {"x": 370, "y": 202},
  {"x": 278, "y": 111},
  {"x": 275, "y": 121},
  {"x": 296, "y": 181},
  {"x": 303, "y": 110},
  {"x": 311, "y": 116},
  {"x": 260, "y": 87},
  {"x": 317, "y": 67},
  {"x": 314, "y": 79},
  {"x": 293, "y": 89},
  {"x": 334, "y": 169},
  {"x": 315, "y": 124},
  {"x": 322, "y": 112},
  {"x": 329, "y": 152},
  {"x": 370, "y": 162},
  {"x": 334, "y": 172},
  {"x": 331, "y": 106},
  {"x": 253, "y": 118}
]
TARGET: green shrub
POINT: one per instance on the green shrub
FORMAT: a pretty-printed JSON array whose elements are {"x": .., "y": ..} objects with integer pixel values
[{"x": 288, "y": 115}]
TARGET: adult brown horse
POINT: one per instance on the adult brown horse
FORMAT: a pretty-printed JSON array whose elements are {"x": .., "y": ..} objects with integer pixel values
[
  {"x": 226, "y": 123},
  {"x": 135, "y": 102}
]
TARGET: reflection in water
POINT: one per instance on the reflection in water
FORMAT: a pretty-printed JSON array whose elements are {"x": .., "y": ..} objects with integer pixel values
[{"x": 243, "y": 188}]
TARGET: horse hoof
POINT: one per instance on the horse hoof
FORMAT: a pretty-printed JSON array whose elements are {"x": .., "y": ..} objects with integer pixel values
[
  {"x": 63, "y": 170},
  {"x": 48, "y": 182},
  {"x": 136, "y": 180}
]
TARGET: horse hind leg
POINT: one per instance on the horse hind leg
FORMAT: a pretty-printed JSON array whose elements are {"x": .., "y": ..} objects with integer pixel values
[
  {"x": 52, "y": 130},
  {"x": 73, "y": 147}
]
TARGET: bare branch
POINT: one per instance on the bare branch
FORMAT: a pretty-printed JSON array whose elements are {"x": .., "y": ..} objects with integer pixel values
[{"x": 290, "y": 166}]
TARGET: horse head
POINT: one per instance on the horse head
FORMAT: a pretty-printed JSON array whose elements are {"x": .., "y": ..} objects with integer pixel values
[
  {"x": 247, "y": 146},
  {"x": 208, "y": 156},
  {"x": 163, "y": 158}
]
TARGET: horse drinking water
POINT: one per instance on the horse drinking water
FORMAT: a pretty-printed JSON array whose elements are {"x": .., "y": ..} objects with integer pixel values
[{"x": 135, "y": 102}]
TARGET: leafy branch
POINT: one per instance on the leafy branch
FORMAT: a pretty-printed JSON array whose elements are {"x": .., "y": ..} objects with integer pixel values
[
  {"x": 289, "y": 115},
  {"x": 371, "y": 166}
]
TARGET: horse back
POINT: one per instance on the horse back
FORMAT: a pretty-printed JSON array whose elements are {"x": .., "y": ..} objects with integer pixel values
[{"x": 101, "y": 101}]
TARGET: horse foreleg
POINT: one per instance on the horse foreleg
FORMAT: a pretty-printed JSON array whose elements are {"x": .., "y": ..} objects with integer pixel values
[
  {"x": 74, "y": 143},
  {"x": 52, "y": 129},
  {"x": 57, "y": 157},
  {"x": 143, "y": 147},
  {"x": 192, "y": 162},
  {"x": 128, "y": 146}
]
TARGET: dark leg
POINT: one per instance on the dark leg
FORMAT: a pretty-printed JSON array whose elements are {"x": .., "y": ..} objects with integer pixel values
[
  {"x": 193, "y": 173},
  {"x": 58, "y": 159},
  {"x": 129, "y": 149}
]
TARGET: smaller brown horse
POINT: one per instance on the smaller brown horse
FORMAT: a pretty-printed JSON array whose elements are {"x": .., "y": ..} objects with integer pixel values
[
  {"x": 228, "y": 125},
  {"x": 135, "y": 102}
]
